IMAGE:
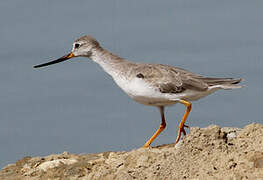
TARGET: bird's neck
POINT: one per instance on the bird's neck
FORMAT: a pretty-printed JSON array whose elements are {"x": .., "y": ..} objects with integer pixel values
[{"x": 110, "y": 62}]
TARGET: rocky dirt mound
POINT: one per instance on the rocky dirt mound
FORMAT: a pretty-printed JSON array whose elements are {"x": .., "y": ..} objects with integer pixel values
[{"x": 205, "y": 153}]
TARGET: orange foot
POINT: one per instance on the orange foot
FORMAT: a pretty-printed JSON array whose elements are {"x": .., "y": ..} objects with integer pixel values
[{"x": 181, "y": 130}]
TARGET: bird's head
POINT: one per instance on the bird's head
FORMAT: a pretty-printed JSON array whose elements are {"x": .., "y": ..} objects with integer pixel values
[
  {"x": 84, "y": 46},
  {"x": 81, "y": 47}
]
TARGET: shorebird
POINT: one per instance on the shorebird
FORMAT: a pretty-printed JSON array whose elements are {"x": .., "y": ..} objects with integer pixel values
[{"x": 156, "y": 85}]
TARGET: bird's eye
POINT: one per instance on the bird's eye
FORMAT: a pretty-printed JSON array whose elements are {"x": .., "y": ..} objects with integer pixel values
[{"x": 77, "y": 45}]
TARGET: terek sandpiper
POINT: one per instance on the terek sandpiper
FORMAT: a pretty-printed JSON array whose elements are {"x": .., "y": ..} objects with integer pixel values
[{"x": 150, "y": 84}]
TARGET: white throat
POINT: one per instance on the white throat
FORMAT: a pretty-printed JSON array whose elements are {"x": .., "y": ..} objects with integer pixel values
[{"x": 108, "y": 61}]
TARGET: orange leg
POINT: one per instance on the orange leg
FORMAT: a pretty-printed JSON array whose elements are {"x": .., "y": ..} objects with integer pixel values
[
  {"x": 182, "y": 126},
  {"x": 161, "y": 128}
]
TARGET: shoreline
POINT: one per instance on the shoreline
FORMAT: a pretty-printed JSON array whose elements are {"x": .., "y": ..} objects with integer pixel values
[{"x": 205, "y": 153}]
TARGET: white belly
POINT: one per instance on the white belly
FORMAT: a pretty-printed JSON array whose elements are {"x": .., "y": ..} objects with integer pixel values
[{"x": 142, "y": 92}]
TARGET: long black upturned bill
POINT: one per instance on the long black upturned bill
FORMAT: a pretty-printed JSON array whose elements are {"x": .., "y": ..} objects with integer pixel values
[{"x": 64, "y": 58}]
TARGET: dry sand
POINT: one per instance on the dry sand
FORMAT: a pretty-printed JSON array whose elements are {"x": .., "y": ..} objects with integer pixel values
[{"x": 205, "y": 153}]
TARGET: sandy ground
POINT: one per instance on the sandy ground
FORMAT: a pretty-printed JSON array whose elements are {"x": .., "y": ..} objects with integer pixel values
[{"x": 205, "y": 153}]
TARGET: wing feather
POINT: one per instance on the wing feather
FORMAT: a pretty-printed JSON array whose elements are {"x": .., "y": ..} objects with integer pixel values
[{"x": 169, "y": 79}]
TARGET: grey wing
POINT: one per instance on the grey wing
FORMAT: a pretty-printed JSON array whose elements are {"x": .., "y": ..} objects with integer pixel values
[{"x": 169, "y": 79}]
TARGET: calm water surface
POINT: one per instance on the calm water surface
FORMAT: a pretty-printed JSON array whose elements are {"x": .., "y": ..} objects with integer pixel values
[{"x": 76, "y": 107}]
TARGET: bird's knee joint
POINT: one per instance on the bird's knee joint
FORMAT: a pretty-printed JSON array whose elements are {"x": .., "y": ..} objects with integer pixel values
[
  {"x": 163, "y": 125},
  {"x": 189, "y": 106}
]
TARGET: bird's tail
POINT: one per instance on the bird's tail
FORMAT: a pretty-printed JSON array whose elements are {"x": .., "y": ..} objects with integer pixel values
[{"x": 224, "y": 83}]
